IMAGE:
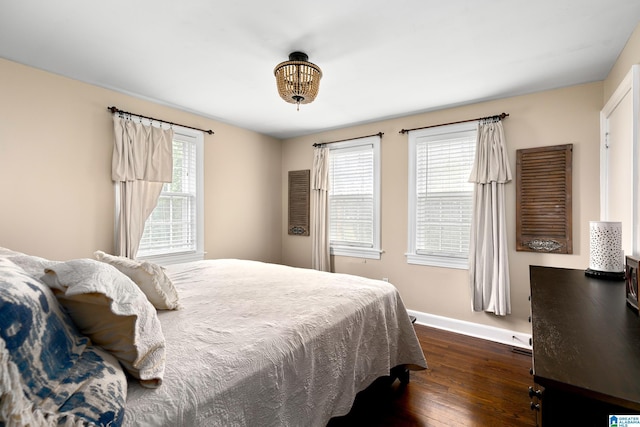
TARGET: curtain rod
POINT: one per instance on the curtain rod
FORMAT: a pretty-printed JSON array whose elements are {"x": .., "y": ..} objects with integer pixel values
[
  {"x": 117, "y": 110},
  {"x": 319, "y": 144},
  {"x": 496, "y": 117}
]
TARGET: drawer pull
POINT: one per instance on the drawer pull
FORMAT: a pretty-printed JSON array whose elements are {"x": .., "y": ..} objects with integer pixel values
[{"x": 535, "y": 393}]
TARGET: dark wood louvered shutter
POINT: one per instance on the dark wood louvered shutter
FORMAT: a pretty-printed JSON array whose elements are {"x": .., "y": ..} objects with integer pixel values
[
  {"x": 543, "y": 200},
  {"x": 299, "y": 182}
]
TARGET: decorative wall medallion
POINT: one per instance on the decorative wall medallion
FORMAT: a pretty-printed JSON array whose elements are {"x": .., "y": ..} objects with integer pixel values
[
  {"x": 544, "y": 245},
  {"x": 298, "y": 231}
]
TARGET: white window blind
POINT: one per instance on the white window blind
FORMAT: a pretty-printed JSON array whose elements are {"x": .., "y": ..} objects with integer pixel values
[
  {"x": 174, "y": 232},
  {"x": 441, "y": 197},
  {"x": 354, "y": 198},
  {"x": 351, "y": 197},
  {"x": 171, "y": 227}
]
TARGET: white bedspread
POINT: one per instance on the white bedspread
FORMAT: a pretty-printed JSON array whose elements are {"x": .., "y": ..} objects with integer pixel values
[{"x": 259, "y": 344}]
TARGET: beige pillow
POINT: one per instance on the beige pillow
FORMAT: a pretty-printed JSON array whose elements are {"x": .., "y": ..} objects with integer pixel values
[
  {"x": 150, "y": 277},
  {"x": 114, "y": 313}
]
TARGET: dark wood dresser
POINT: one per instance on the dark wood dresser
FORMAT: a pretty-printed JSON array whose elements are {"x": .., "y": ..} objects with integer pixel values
[{"x": 586, "y": 349}]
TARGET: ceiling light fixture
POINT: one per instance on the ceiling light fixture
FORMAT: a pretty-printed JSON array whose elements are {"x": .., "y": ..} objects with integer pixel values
[{"x": 298, "y": 79}]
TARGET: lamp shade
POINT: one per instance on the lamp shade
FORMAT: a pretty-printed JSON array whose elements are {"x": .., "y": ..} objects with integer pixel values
[
  {"x": 298, "y": 79},
  {"x": 606, "y": 257}
]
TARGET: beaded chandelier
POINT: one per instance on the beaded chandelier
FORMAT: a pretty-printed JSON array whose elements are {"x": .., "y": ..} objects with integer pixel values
[{"x": 298, "y": 79}]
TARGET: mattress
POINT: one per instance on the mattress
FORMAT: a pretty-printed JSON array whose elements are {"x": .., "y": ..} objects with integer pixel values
[{"x": 258, "y": 344}]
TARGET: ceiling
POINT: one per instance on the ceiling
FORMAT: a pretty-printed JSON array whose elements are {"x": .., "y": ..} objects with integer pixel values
[{"x": 380, "y": 59}]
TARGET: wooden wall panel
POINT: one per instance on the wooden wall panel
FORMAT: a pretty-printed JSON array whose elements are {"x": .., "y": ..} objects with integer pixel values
[
  {"x": 543, "y": 200},
  {"x": 299, "y": 187}
]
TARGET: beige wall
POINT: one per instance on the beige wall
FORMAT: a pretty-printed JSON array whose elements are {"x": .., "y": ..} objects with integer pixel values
[
  {"x": 55, "y": 149},
  {"x": 55, "y": 153},
  {"x": 629, "y": 56},
  {"x": 564, "y": 116}
]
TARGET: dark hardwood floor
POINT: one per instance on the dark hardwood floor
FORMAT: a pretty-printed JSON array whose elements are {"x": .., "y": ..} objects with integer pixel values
[{"x": 469, "y": 382}]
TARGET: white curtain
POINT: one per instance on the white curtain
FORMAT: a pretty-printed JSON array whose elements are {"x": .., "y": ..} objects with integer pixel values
[
  {"x": 488, "y": 252},
  {"x": 142, "y": 162},
  {"x": 320, "y": 258}
]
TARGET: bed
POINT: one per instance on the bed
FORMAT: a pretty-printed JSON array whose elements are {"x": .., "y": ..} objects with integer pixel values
[{"x": 259, "y": 344}]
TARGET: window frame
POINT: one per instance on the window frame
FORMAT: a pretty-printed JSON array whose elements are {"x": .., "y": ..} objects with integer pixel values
[
  {"x": 375, "y": 251},
  {"x": 197, "y": 137},
  {"x": 412, "y": 255}
]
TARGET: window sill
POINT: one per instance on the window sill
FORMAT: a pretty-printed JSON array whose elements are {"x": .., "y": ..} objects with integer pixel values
[
  {"x": 438, "y": 261},
  {"x": 357, "y": 252},
  {"x": 173, "y": 258}
]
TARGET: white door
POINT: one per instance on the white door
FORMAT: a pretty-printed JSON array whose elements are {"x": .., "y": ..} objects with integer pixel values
[{"x": 619, "y": 161}]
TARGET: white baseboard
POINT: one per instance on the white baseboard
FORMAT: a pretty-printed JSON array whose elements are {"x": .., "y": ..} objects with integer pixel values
[{"x": 491, "y": 333}]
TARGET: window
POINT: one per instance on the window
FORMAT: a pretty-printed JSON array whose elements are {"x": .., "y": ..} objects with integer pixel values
[
  {"x": 174, "y": 232},
  {"x": 354, "y": 198},
  {"x": 440, "y": 196}
]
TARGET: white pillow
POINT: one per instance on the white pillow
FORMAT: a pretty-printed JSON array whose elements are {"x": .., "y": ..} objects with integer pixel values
[
  {"x": 150, "y": 277},
  {"x": 34, "y": 266},
  {"x": 111, "y": 310}
]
